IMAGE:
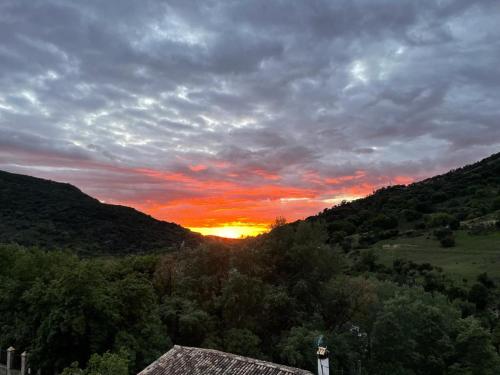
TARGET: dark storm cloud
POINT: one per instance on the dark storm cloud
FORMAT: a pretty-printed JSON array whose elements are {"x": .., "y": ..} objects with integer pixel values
[{"x": 249, "y": 91}]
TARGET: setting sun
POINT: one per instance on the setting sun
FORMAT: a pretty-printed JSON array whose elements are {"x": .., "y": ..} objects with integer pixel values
[{"x": 237, "y": 230}]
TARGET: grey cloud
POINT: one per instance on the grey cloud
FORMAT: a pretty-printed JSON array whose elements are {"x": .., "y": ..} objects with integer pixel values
[
  {"x": 282, "y": 87},
  {"x": 365, "y": 150}
]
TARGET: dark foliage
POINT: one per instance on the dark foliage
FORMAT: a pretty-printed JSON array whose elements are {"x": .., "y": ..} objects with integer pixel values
[
  {"x": 271, "y": 298},
  {"x": 442, "y": 201},
  {"x": 37, "y": 212}
]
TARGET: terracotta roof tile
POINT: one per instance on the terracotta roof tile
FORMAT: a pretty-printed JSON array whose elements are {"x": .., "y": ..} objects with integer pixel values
[{"x": 182, "y": 360}]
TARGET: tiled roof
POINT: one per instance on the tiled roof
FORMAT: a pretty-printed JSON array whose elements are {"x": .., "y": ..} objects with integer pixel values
[{"x": 182, "y": 360}]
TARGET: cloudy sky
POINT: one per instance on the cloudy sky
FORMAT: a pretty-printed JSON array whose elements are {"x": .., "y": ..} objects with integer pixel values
[{"x": 211, "y": 113}]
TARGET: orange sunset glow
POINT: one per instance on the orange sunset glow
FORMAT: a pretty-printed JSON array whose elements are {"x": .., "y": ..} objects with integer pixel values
[
  {"x": 228, "y": 208},
  {"x": 211, "y": 199},
  {"x": 222, "y": 118},
  {"x": 232, "y": 230}
]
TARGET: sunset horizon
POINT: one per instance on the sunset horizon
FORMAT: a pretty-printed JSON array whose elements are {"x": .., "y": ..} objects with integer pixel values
[
  {"x": 220, "y": 215},
  {"x": 221, "y": 120}
]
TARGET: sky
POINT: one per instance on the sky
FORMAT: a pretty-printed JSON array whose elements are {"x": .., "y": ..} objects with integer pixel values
[{"x": 223, "y": 115}]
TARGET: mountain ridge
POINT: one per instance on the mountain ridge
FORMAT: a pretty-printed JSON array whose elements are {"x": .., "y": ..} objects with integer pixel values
[{"x": 50, "y": 214}]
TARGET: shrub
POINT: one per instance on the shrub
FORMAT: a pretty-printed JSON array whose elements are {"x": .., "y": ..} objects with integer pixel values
[
  {"x": 442, "y": 232},
  {"x": 346, "y": 244},
  {"x": 479, "y": 295},
  {"x": 411, "y": 215},
  {"x": 385, "y": 222},
  {"x": 342, "y": 226},
  {"x": 439, "y": 197},
  {"x": 447, "y": 241},
  {"x": 441, "y": 219},
  {"x": 367, "y": 239},
  {"x": 385, "y": 234},
  {"x": 367, "y": 261},
  {"x": 106, "y": 364},
  {"x": 496, "y": 204}
]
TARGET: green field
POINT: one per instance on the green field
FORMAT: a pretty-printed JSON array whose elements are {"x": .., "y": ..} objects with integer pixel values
[{"x": 472, "y": 255}]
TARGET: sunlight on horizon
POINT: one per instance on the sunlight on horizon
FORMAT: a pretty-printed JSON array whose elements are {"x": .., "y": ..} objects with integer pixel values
[{"x": 232, "y": 231}]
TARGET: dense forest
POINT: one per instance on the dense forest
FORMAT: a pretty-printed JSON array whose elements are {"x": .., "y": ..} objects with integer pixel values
[{"x": 273, "y": 296}]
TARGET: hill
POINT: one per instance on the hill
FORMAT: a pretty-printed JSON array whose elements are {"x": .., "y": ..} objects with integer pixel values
[
  {"x": 48, "y": 214},
  {"x": 446, "y": 220},
  {"x": 458, "y": 196}
]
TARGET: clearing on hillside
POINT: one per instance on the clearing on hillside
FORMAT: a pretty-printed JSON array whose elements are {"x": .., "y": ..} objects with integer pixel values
[{"x": 472, "y": 255}]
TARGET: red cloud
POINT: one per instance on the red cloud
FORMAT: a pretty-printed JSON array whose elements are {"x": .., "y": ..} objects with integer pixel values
[
  {"x": 202, "y": 195},
  {"x": 197, "y": 168}
]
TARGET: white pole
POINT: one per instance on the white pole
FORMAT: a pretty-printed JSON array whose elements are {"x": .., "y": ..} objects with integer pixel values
[
  {"x": 323, "y": 362},
  {"x": 10, "y": 359},
  {"x": 323, "y": 366},
  {"x": 24, "y": 361}
]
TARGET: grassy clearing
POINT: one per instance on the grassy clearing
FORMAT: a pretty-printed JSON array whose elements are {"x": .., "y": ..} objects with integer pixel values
[{"x": 471, "y": 255}]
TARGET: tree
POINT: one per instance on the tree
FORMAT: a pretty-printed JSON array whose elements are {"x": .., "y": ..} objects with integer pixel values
[
  {"x": 187, "y": 323},
  {"x": 297, "y": 345},
  {"x": 279, "y": 309},
  {"x": 346, "y": 300},
  {"x": 479, "y": 295},
  {"x": 475, "y": 353},
  {"x": 487, "y": 281},
  {"x": 278, "y": 222},
  {"x": 413, "y": 332},
  {"x": 241, "y": 301},
  {"x": 495, "y": 337},
  {"x": 64, "y": 309},
  {"x": 382, "y": 221},
  {"x": 411, "y": 215},
  {"x": 496, "y": 204},
  {"x": 105, "y": 364},
  {"x": 308, "y": 259},
  {"x": 342, "y": 226},
  {"x": 445, "y": 236},
  {"x": 367, "y": 261},
  {"x": 448, "y": 241},
  {"x": 441, "y": 219},
  {"x": 242, "y": 341}
]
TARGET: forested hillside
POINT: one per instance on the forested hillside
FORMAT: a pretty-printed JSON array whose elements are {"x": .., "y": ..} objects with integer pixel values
[
  {"x": 463, "y": 199},
  {"x": 37, "y": 212}
]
